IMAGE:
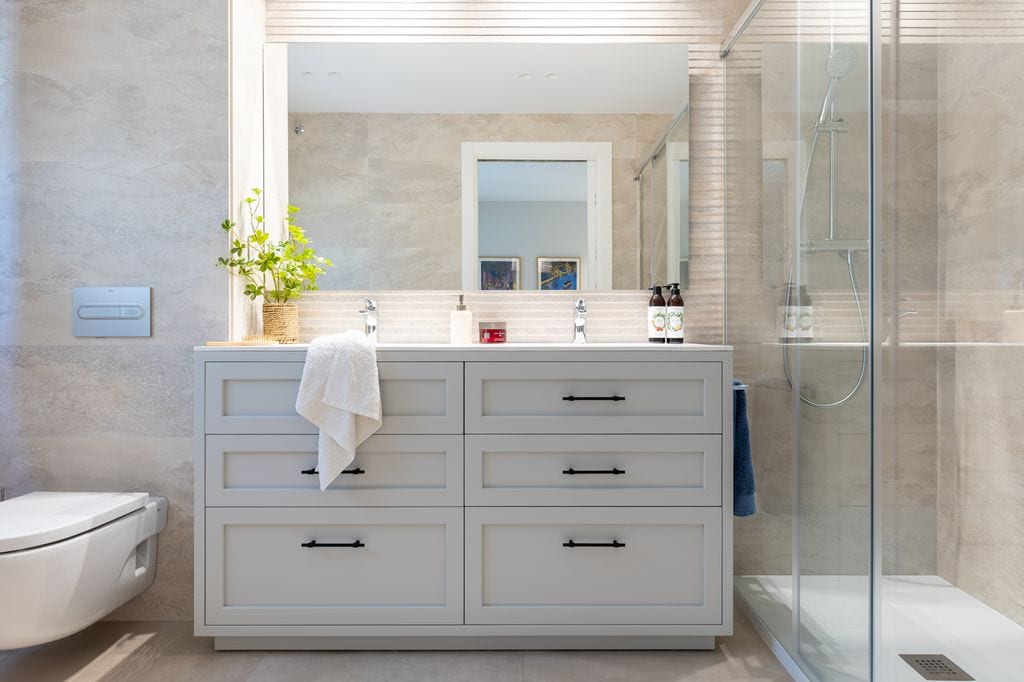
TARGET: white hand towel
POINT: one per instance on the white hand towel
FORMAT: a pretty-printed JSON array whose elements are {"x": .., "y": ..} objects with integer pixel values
[{"x": 340, "y": 394}]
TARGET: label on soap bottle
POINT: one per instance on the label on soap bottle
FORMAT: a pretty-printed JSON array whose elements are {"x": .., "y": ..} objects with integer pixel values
[
  {"x": 676, "y": 321},
  {"x": 657, "y": 321},
  {"x": 805, "y": 323}
]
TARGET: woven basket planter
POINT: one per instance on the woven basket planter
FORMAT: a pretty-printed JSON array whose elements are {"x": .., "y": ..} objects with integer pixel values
[{"x": 281, "y": 321}]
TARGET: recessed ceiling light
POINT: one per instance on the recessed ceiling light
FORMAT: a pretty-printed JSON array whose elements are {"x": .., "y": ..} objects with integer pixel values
[
  {"x": 307, "y": 74},
  {"x": 552, "y": 76},
  {"x": 525, "y": 76}
]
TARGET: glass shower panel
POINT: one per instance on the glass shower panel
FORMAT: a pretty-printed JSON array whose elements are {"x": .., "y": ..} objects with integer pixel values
[
  {"x": 833, "y": 591},
  {"x": 798, "y": 210},
  {"x": 950, "y": 450}
]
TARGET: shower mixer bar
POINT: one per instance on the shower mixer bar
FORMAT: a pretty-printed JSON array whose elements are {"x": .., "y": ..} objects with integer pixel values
[{"x": 810, "y": 246}]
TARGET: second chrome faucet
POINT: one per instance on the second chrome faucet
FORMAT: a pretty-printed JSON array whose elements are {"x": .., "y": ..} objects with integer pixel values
[{"x": 580, "y": 332}]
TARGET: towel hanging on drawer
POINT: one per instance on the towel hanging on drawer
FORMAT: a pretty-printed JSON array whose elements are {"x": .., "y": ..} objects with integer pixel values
[{"x": 340, "y": 395}]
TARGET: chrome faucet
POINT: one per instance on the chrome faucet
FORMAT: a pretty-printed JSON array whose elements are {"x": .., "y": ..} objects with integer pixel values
[
  {"x": 580, "y": 333},
  {"x": 369, "y": 313}
]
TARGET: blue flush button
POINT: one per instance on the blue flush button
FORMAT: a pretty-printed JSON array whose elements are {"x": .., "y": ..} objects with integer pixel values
[{"x": 111, "y": 311}]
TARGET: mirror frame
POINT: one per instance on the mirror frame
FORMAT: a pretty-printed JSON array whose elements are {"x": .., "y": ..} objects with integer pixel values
[{"x": 597, "y": 265}]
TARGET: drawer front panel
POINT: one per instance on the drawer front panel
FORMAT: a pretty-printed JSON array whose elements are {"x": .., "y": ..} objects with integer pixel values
[
  {"x": 593, "y": 397},
  {"x": 608, "y": 470},
  {"x": 259, "y": 397},
  {"x": 406, "y": 569},
  {"x": 421, "y": 397},
  {"x": 396, "y": 471},
  {"x": 667, "y": 569}
]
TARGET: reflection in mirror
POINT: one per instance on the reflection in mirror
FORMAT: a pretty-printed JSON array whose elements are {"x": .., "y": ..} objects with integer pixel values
[
  {"x": 376, "y": 161},
  {"x": 663, "y": 199},
  {"x": 536, "y": 210}
]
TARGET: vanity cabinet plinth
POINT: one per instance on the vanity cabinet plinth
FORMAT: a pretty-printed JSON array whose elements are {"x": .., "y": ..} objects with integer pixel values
[{"x": 515, "y": 498}]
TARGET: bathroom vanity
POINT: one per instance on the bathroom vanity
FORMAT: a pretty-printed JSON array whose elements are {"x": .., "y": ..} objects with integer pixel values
[{"x": 534, "y": 496}]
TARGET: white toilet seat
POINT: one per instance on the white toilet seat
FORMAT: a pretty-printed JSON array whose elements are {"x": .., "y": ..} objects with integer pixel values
[
  {"x": 38, "y": 519},
  {"x": 69, "y": 559}
]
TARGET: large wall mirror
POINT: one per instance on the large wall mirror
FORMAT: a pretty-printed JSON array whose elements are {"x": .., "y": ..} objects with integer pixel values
[{"x": 488, "y": 166}]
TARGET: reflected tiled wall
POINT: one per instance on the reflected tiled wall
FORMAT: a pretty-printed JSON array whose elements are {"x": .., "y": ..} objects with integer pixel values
[
  {"x": 114, "y": 158},
  {"x": 381, "y": 193}
]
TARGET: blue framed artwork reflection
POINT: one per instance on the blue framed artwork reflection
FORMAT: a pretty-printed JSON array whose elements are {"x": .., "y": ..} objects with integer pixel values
[
  {"x": 558, "y": 274},
  {"x": 499, "y": 274}
]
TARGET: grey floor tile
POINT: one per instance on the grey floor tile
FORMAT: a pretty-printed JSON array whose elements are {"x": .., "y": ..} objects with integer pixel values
[
  {"x": 155, "y": 652},
  {"x": 390, "y": 667},
  {"x": 114, "y": 651}
]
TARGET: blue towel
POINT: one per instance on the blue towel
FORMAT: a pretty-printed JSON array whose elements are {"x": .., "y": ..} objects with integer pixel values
[{"x": 742, "y": 463}]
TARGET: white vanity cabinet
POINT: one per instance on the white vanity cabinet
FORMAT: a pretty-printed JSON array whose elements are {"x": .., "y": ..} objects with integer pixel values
[{"x": 516, "y": 497}]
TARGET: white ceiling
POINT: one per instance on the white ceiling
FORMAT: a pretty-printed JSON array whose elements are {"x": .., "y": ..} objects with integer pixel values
[
  {"x": 485, "y": 78},
  {"x": 532, "y": 181}
]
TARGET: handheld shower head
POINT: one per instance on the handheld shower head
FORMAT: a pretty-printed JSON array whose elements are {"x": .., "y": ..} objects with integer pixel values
[{"x": 841, "y": 62}]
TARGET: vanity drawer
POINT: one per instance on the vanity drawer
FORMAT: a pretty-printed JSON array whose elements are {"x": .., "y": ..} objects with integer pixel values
[
  {"x": 666, "y": 571},
  {"x": 259, "y": 397},
  {"x": 593, "y": 397},
  {"x": 273, "y": 471},
  {"x": 607, "y": 470},
  {"x": 407, "y": 569}
]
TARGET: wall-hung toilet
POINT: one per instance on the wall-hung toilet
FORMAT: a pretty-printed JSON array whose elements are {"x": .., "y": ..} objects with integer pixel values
[{"x": 68, "y": 559}]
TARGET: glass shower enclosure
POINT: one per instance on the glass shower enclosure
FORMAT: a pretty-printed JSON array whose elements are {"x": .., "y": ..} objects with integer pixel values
[{"x": 875, "y": 268}]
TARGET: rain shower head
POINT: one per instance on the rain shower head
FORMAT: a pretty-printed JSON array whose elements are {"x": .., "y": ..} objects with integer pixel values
[{"x": 841, "y": 62}]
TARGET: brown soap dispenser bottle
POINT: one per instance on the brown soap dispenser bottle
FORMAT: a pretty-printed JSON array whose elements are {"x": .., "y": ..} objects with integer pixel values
[
  {"x": 675, "y": 316},
  {"x": 656, "y": 316}
]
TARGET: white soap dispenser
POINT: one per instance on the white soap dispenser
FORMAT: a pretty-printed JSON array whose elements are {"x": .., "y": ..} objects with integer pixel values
[{"x": 462, "y": 323}]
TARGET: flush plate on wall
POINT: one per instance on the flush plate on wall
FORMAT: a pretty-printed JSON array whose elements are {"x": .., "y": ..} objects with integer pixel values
[{"x": 111, "y": 311}]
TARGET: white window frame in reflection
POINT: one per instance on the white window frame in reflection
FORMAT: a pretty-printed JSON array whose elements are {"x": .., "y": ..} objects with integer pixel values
[{"x": 597, "y": 272}]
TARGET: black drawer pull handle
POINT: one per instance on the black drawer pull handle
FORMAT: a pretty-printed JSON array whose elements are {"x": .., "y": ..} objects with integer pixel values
[
  {"x": 614, "y": 543},
  {"x": 612, "y": 398},
  {"x": 615, "y": 471},
  {"x": 313, "y": 544},
  {"x": 313, "y": 472}
]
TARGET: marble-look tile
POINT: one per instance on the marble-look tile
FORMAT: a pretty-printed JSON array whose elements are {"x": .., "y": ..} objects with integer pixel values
[
  {"x": 819, "y": 540},
  {"x": 442, "y": 221},
  {"x": 314, "y": 181},
  {"x": 763, "y": 542},
  {"x": 107, "y": 34},
  {"x": 326, "y": 136},
  {"x": 87, "y": 391},
  {"x": 94, "y": 232},
  {"x": 429, "y": 180},
  {"x": 414, "y": 161},
  {"x": 434, "y": 137},
  {"x": 134, "y": 113},
  {"x": 853, "y": 470},
  {"x": 916, "y": 469},
  {"x": 909, "y": 542},
  {"x": 854, "y": 525}
]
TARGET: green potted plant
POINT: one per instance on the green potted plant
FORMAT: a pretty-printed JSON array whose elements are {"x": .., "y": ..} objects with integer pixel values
[{"x": 279, "y": 271}]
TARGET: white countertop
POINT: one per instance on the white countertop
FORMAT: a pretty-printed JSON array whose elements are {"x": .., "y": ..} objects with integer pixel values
[
  {"x": 489, "y": 347},
  {"x": 476, "y": 352}
]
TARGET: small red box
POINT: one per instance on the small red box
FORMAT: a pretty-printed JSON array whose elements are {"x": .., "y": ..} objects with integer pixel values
[{"x": 492, "y": 332}]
